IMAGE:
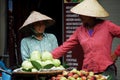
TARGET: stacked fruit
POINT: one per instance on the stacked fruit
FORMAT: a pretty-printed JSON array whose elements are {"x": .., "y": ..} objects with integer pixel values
[
  {"x": 75, "y": 74},
  {"x": 41, "y": 61}
]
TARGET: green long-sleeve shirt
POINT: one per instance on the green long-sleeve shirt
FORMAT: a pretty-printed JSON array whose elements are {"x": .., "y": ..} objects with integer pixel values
[{"x": 30, "y": 44}]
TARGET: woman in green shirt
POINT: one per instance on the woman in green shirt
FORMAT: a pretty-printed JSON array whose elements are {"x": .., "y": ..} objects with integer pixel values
[{"x": 39, "y": 40}]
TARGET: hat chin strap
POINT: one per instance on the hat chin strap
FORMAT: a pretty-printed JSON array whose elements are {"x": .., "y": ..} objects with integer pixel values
[{"x": 36, "y": 33}]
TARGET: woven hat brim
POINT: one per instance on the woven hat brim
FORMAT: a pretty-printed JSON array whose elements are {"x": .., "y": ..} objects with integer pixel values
[
  {"x": 90, "y": 8},
  {"x": 27, "y": 28},
  {"x": 33, "y": 18}
]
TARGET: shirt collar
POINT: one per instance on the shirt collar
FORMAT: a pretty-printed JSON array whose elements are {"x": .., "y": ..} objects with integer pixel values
[{"x": 44, "y": 35}]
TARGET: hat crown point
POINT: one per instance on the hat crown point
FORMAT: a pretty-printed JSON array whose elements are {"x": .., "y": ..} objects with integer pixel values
[
  {"x": 90, "y": 8},
  {"x": 36, "y": 17}
]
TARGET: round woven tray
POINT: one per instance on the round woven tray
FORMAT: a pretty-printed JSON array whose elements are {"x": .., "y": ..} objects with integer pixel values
[{"x": 49, "y": 72}]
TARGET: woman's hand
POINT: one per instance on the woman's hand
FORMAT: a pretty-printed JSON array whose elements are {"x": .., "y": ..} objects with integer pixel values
[{"x": 114, "y": 57}]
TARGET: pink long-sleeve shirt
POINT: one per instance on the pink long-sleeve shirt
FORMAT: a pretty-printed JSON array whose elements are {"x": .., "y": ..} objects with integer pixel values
[{"x": 97, "y": 47}]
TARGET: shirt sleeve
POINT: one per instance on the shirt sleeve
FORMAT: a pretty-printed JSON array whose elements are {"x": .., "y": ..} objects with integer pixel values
[
  {"x": 24, "y": 50},
  {"x": 66, "y": 46},
  {"x": 115, "y": 31}
]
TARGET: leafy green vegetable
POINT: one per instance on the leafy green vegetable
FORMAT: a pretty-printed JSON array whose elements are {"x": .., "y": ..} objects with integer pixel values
[
  {"x": 36, "y": 64},
  {"x": 29, "y": 70},
  {"x": 48, "y": 66}
]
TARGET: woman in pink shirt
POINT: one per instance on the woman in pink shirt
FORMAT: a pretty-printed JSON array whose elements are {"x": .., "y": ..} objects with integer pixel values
[{"x": 95, "y": 36}]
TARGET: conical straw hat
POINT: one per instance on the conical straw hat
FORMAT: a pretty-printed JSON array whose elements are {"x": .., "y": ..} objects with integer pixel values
[
  {"x": 36, "y": 17},
  {"x": 90, "y": 8}
]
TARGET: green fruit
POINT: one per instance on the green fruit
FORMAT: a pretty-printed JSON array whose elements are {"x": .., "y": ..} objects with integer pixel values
[
  {"x": 26, "y": 65},
  {"x": 79, "y": 79},
  {"x": 35, "y": 55},
  {"x": 46, "y": 56},
  {"x": 71, "y": 78},
  {"x": 56, "y": 62},
  {"x": 34, "y": 70},
  {"x": 47, "y": 62},
  {"x": 63, "y": 78}
]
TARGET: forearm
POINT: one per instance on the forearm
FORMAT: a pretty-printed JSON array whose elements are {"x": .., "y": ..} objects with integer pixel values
[{"x": 64, "y": 48}]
